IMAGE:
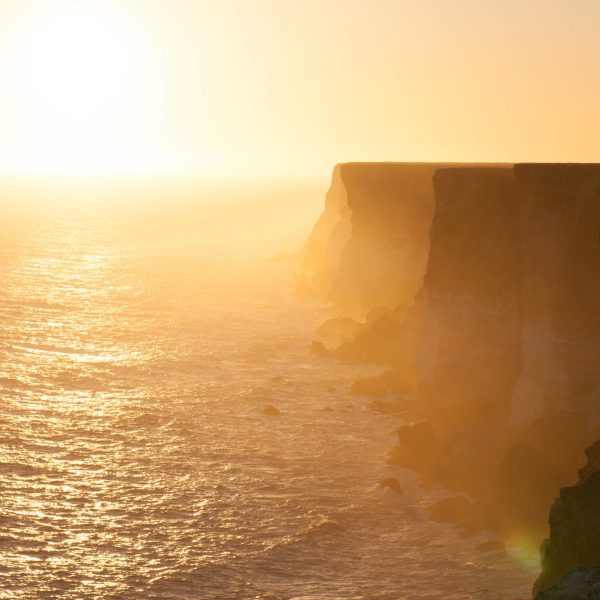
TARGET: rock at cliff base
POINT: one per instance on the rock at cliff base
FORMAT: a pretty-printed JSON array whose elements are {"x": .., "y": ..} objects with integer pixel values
[
  {"x": 393, "y": 484},
  {"x": 574, "y": 541},
  {"x": 376, "y": 385},
  {"x": 341, "y": 329},
  {"x": 526, "y": 482},
  {"x": 456, "y": 509},
  {"x": 593, "y": 462},
  {"x": 318, "y": 349},
  {"x": 418, "y": 437},
  {"x": 491, "y": 546},
  {"x": 579, "y": 584}
]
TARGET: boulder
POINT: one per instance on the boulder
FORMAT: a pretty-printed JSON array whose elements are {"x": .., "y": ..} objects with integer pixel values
[
  {"x": 455, "y": 509},
  {"x": 417, "y": 437},
  {"x": 318, "y": 349},
  {"x": 393, "y": 484}
]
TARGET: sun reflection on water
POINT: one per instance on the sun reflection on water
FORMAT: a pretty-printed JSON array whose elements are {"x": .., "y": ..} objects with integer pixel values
[{"x": 136, "y": 462}]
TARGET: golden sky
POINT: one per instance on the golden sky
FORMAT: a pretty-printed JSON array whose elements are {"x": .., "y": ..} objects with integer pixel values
[{"x": 290, "y": 87}]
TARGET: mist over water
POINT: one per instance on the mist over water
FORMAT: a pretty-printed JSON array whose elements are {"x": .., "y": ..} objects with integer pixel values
[{"x": 139, "y": 345}]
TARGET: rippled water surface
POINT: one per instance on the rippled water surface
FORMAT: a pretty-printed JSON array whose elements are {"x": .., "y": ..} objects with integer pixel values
[{"x": 136, "y": 461}]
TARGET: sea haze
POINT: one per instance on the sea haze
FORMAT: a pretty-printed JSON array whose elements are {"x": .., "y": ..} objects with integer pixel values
[{"x": 140, "y": 342}]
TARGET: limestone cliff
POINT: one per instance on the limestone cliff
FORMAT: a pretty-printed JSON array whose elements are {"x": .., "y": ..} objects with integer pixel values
[
  {"x": 470, "y": 357},
  {"x": 513, "y": 280},
  {"x": 480, "y": 287},
  {"x": 505, "y": 263},
  {"x": 560, "y": 291},
  {"x": 369, "y": 247}
]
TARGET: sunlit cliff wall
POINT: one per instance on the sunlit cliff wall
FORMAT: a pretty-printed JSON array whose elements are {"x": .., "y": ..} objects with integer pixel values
[
  {"x": 489, "y": 283},
  {"x": 513, "y": 282},
  {"x": 470, "y": 335},
  {"x": 369, "y": 248},
  {"x": 497, "y": 269},
  {"x": 560, "y": 291}
]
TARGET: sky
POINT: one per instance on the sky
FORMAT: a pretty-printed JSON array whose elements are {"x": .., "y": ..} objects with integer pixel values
[{"x": 287, "y": 88}]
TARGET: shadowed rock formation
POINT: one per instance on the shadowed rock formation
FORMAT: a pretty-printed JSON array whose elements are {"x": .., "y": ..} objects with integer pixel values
[
  {"x": 574, "y": 541},
  {"x": 579, "y": 584}
]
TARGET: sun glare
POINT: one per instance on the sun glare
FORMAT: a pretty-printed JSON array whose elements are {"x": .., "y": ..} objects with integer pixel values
[{"x": 84, "y": 82}]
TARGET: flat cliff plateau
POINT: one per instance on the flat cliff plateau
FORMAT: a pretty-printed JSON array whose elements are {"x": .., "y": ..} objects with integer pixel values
[{"x": 479, "y": 287}]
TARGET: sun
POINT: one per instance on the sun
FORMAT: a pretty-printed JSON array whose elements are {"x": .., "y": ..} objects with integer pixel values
[{"x": 84, "y": 89}]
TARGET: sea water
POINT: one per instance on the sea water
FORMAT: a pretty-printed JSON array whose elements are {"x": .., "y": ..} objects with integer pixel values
[{"x": 135, "y": 457}]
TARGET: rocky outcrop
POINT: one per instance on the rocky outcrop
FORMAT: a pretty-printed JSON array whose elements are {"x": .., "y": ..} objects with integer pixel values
[
  {"x": 579, "y": 584},
  {"x": 574, "y": 541}
]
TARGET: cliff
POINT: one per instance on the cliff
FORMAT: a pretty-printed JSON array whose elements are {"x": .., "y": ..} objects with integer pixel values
[
  {"x": 369, "y": 247},
  {"x": 470, "y": 357},
  {"x": 513, "y": 281},
  {"x": 480, "y": 288},
  {"x": 571, "y": 555},
  {"x": 560, "y": 291},
  {"x": 509, "y": 336}
]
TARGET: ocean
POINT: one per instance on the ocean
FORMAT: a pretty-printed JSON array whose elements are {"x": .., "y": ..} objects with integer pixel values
[{"x": 138, "y": 349}]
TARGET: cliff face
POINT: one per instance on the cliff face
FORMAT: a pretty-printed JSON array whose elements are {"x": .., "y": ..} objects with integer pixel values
[
  {"x": 489, "y": 283},
  {"x": 369, "y": 248},
  {"x": 571, "y": 555},
  {"x": 495, "y": 271},
  {"x": 560, "y": 291},
  {"x": 513, "y": 282},
  {"x": 328, "y": 238},
  {"x": 470, "y": 357}
]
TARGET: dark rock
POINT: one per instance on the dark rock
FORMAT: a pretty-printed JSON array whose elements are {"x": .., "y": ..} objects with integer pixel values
[
  {"x": 560, "y": 436},
  {"x": 491, "y": 546},
  {"x": 341, "y": 329},
  {"x": 393, "y": 484},
  {"x": 393, "y": 406},
  {"x": 376, "y": 385},
  {"x": 593, "y": 462},
  {"x": 456, "y": 509},
  {"x": 375, "y": 342},
  {"x": 416, "y": 449},
  {"x": 271, "y": 410},
  {"x": 524, "y": 483},
  {"x": 574, "y": 540},
  {"x": 579, "y": 584},
  {"x": 318, "y": 349},
  {"x": 418, "y": 437}
]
